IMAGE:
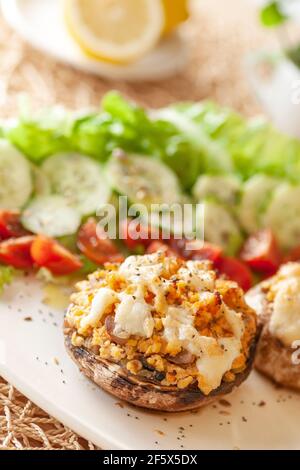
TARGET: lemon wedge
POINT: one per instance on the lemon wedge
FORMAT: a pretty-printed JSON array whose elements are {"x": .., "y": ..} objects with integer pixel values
[
  {"x": 176, "y": 12},
  {"x": 117, "y": 31}
]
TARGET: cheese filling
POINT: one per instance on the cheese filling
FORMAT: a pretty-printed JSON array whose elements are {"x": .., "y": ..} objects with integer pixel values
[
  {"x": 285, "y": 318},
  {"x": 133, "y": 317},
  {"x": 214, "y": 356},
  {"x": 197, "y": 278},
  {"x": 102, "y": 300},
  {"x": 145, "y": 300}
]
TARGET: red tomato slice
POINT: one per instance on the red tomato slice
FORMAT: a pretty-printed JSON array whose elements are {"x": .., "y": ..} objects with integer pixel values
[
  {"x": 16, "y": 252},
  {"x": 236, "y": 271},
  {"x": 261, "y": 252},
  {"x": 196, "y": 250},
  {"x": 93, "y": 242},
  {"x": 10, "y": 225},
  {"x": 160, "y": 246},
  {"x": 135, "y": 234},
  {"x": 48, "y": 253}
]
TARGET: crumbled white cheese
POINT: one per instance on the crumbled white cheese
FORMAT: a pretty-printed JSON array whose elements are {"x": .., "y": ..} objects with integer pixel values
[
  {"x": 141, "y": 268},
  {"x": 197, "y": 278},
  {"x": 235, "y": 321},
  {"x": 215, "y": 356},
  {"x": 212, "y": 365},
  {"x": 146, "y": 271},
  {"x": 103, "y": 299},
  {"x": 133, "y": 317},
  {"x": 289, "y": 270},
  {"x": 285, "y": 319}
]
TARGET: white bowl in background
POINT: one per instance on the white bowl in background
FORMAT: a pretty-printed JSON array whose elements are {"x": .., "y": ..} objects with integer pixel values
[
  {"x": 276, "y": 83},
  {"x": 40, "y": 22}
]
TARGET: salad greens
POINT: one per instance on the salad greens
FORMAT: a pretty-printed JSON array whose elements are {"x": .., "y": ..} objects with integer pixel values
[
  {"x": 272, "y": 14},
  {"x": 7, "y": 274},
  {"x": 255, "y": 146},
  {"x": 195, "y": 140},
  {"x": 276, "y": 13},
  {"x": 199, "y": 138},
  {"x": 42, "y": 134}
]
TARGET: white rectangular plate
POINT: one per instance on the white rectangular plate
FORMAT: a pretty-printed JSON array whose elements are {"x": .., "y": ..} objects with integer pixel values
[{"x": 33, "y": 358}]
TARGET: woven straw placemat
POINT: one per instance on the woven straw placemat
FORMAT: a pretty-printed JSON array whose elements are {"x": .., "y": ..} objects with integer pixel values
[{"x": 220, "y": 34}]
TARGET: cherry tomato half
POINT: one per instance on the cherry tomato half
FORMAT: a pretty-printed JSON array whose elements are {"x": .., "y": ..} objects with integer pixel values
[
  {"x": 160, "y": 246},
  {"x": 135, "y": 234},
  {"x": 261, "y": 252},
  {"x": 16, "y": 252},
  {"x": 48, "y": 253},
  {"x": 197, "y": 250},
  {"x": 93, "y": 242},
  {"x": 10, "y": 225},
  {"x": 235, "y": 270}
]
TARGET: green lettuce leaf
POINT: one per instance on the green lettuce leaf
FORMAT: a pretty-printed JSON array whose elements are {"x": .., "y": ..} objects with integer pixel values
[
  {"x": 191, "y": 138},
  {"x": 42, "y": 134},
  {"x": 255, "y": 145},
  {"x": 7, "y": 274},
  {"x": 272, "y": 15},
  {"x": 121, "y": 124}
]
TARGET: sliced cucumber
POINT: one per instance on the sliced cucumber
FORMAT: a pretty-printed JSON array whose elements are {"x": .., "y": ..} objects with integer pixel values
[
  {"x": 51, "y": 216},
  {"x": 223, "y": 188},
  {"x": 143, "y": 179},
  {"x": 15, "y": 177},
  {"x": 256, "y": 194},
  {"x": 219, "y": 226},
  {"x": 79, "y": 179},
  {"x": 283, "y": 215}
]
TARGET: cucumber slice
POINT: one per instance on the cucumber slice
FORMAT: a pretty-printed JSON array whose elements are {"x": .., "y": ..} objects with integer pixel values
[
  {"x": 15, "y": 177},
  {"x": 222, "y": 188},
  {"x": 51, "y": 216},
  {"x": 283, "y": 215},
  {"x": 79, "y": 179},
  {"x": 220, "y": 227},
  {"x": 255, "y": 197},
  {"x": 143, "y": 179}
]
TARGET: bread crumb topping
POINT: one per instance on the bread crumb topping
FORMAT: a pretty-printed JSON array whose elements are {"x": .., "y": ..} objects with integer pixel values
[{"x": 166, "y": 320}]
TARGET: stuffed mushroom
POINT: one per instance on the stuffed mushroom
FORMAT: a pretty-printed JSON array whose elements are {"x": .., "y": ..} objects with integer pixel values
[
  {"x": 161, "y": 333},
  {"x": 277, "y": 302}
]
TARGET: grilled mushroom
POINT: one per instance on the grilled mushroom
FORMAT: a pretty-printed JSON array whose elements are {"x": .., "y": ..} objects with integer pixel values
[
  {"x": 169, "y": 335},
  {"x": 274, "y": 356},
  {"x": 140, "y": 391}
]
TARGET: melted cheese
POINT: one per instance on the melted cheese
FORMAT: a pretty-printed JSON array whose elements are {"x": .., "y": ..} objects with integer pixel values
[
  {"x": 133, "y": 317},
  {"x": 235, "y": 321},
  {"x": 197, "y": 278},
  {"x": 215, "y": 357},
  {"x": 176, "y": 318},
  {"x": 289, "y": 270},
  {"x": 285, "y": 319},
  {"x": 142, "y": 269},
  {"x": 212, "y": 365},
  {"x": 103, "y": 299},
  {"x": 146, "y": 271}
]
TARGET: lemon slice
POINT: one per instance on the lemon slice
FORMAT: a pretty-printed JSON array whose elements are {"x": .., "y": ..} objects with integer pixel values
[
  {"x": 118, "y": 31},
  {"x": 176, "y": 12}
]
